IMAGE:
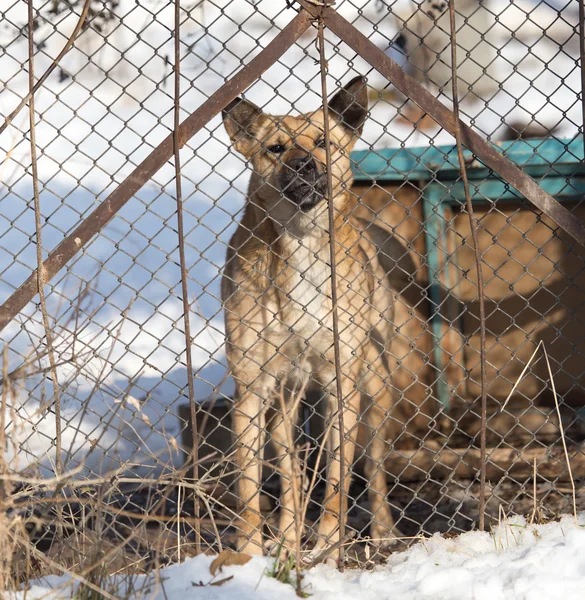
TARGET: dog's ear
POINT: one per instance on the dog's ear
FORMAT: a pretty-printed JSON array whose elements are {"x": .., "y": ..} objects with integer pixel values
[
  {"x": 350, "y": 105},
  {"x": 242, "y": 119}
]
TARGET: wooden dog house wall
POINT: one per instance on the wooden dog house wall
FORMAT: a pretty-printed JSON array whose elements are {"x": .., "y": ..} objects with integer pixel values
[{"x": 534, "y": 274}]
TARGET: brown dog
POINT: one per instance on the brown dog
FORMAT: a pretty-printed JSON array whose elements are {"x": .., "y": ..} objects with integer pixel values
[{"x": 277, "y": 296}]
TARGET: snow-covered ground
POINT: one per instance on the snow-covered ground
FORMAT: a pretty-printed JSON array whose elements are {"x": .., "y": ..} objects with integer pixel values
[
  {"x": 93, "y": 130},
  {"x": 516, "y": 561}
]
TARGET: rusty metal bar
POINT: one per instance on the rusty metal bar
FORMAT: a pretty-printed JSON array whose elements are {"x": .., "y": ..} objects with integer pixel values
[
  {"x": 40, "y": 278},
  {"x": 487, "y": 153},
  {"x": 102, "y": 215},
  {"x": 184, "y": 275},
  {"x": 334, "y": 303},
  {"x": 582, "y": 65},
  {"x": 473, "y": 224}
]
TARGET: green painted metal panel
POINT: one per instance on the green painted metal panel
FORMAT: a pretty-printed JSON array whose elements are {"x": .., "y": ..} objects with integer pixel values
[
  {"x": 434, "y": 227},
  {"x": 564, "y": 189},
  {"x": 548, "y": 157}
]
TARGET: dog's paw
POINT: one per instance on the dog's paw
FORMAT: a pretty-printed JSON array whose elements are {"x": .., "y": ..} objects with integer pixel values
[
  {"x": 281, "y": 541},
  {"x": 384, "y": 538},
  {"x": 434, "y": 8},
  {"x": 326, "y": 548},
  {"x": 314, "y": 556},
  {"x": 276, "y": 547}
]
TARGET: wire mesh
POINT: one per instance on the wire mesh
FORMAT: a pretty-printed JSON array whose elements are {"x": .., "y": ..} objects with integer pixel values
[{"x": 257, "y": 463}]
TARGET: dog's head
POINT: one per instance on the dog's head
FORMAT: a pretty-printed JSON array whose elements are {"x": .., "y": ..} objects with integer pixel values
[{"x": 288, "y": 153}]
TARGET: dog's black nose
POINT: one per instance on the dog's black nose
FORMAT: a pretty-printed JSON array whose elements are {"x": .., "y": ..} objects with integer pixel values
[{"x": 304, "y": 166}]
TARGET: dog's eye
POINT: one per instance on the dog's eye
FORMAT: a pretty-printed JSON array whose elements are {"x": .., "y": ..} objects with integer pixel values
[{"x": 276, "y": 149}]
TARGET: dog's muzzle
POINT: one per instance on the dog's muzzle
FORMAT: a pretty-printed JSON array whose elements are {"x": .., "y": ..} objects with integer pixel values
[{"x": 302, "y": 183}]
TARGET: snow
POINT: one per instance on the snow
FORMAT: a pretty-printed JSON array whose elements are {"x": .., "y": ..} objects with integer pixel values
[
  {"x": 516, "y": 561},
  {"x": 93, "y": 130}
]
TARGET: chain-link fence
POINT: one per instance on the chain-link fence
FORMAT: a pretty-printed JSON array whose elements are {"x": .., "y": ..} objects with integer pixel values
[{"x": 329, "y": 392}]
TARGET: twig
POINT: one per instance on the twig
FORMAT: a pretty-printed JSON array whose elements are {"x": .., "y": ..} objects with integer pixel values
[
  {"x": 179, "y": 509},
  {"x": 99, "y": 380},
  {"x": 338, "y": 545},
  {"x": 183, "y": 262},
  {"x": 214, "y": 520},
  {"x": 34, "y": 89},
  {"x": 480, "y": 290},
  {"x": 534, "y": 508},
  {"x": 554, "y": 391},
  {"x": 6, "y": 519},
  {"x": 15, "y": 139},
  {"x": 541, "y": 343},
  {"x": 334, "y": 315},
  {"x": 313, "y": 481}
]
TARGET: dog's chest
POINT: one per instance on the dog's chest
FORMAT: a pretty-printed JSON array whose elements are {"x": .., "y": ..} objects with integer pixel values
[{"x": 305, "y": 293}]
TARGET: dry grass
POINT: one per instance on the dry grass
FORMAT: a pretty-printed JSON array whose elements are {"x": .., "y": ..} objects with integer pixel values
[
  {"x": 558, "y": 410},
  {"x": 89, "y": 528}
]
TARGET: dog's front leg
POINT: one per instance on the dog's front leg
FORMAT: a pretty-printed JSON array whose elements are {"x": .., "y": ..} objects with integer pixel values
[
  {"x": 291, "y": 496},
  {"x": 249, "y": 429},
  {"x": 328, "y": 532},
  {"x": 382, "y": 428}
]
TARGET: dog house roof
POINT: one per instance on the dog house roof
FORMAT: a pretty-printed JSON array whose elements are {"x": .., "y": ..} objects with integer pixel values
[{"x": 538, "y": 158}]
